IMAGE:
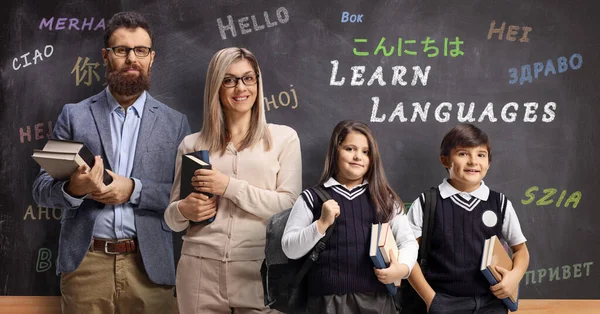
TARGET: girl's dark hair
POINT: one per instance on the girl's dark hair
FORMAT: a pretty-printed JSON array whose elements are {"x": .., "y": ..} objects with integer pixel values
[
  {"x": 130, "y": 20},
  {"x": 382, "y": 195},
  {"x": 465, "y": 135}
]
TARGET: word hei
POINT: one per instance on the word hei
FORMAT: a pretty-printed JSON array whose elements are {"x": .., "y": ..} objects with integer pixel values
[
  {"x": 243, "y": 23},
  {"x": 511, "y": 33}
]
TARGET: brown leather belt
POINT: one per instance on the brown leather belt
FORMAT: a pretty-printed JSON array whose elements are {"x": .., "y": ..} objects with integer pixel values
[{"x": 114, "y": 247}]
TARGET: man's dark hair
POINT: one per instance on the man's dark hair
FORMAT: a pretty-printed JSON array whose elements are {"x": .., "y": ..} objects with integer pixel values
[
  {"x": 130, "y": 20},
  {"x": 465, "y": 135}
]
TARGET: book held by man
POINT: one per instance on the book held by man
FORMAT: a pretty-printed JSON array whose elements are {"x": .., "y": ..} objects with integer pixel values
[
  {"x": 494, "y": 255},
  {"x": 189, "y": 164},
  {"x": 60, "y": 158}
]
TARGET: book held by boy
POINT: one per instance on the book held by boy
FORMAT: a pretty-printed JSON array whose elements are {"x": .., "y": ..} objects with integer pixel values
[
  {"x": 377, "y": 257},
  {"x": 494, "y": 255},
  {"x": 60, "y": 158},
  {"x": 189, "y": 164}
]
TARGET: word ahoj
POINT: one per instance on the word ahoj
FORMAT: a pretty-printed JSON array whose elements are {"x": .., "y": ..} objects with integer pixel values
[
  {"x": 282, "y": 14},
  {"x": 284, "y": 100},
  {"x": 37, "y": 56}
]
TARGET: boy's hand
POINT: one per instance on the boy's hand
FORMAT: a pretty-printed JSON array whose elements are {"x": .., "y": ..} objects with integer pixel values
[
  {"x": 507, "y": 286},
  {"x": 394, "y": 273},
  {"x": 329, "y": 212}
]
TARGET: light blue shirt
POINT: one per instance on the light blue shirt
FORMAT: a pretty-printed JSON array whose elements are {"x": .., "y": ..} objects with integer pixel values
[{"x": 117, "y": 221}]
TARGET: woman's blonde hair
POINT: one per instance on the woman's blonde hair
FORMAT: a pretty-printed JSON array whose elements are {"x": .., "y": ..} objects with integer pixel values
[{"x": 214, "y": 131}]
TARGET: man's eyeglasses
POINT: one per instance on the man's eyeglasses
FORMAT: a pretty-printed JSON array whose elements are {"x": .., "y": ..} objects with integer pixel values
[
  {"x": 122, "y": 51},
  {"x": 232, "y": 81}
]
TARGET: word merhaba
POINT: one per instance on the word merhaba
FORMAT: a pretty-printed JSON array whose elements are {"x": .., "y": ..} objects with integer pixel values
[
  {"x": 444, "y": 111},
  {"x": 37, "y": 56},
  {"x": 398, "y": 73},
  {"x": 282, "y": 15},
  {"x": 61, "y": 24},
  {"x": 284, "y": 100},
  {"x": 565, "y": 272},
  {"x": 42, "y": 213},
  {"x": 547, "y": 198}
]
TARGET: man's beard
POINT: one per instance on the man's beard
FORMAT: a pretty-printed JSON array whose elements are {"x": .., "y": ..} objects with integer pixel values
[{"x": 124, "y": 84}]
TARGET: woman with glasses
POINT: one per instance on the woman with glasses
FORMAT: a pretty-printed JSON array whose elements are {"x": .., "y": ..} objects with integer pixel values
[{"x": 256, "y": 172}]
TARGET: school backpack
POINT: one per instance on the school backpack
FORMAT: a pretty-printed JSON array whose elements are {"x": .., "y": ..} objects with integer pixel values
[{"x": 284, "y": 283}]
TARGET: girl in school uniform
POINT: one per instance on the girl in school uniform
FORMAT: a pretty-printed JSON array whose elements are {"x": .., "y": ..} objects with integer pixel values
[{"x": 343, "y": 279}]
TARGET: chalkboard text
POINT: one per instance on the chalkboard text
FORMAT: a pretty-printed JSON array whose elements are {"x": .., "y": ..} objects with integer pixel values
[
  {"x": 444, "y": 111},
  {"x": 575, "y": 62},
  {"x": 243, "y": 23},
  {"x": 558, "y": 273},
  {"x": 37, "y": 56},
  {"x": 44, "y": 260},
  {"x": 398, "y": 73},
  {"x": 352, "y": 18},
  {"x": 42, "y": 213},
  {"x": 285, "y": 99},
  {"x": 511, "y": 33},
  {"x": 547, "y": 197},
  {"x": 73, "y": 23},
  {"x": 40, "y": 132},
  {"x": 409, "y": 47}
]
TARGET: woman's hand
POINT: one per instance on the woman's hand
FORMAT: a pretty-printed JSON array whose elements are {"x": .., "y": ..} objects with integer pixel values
[
  {"x": 210, "y": 181},
  {"x": 198, "y": 207}
]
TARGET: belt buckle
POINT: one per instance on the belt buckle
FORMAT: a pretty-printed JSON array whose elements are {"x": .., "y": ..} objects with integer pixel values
[{"x": 106, "y": 249}]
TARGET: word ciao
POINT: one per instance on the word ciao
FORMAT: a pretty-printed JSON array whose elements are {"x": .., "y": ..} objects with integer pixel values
[
  {"x": 73, "y": 23},
  {"x": 407, "y": 46},
  {"x": 547, "y": 198},
  {"x": 42, "y": 213},
  {"x": 558, "y": 273},
  {"x": 285, "y": 99},
  {"x": 512, "y": 31},
  {"x": 444, "y": 111},
  {"x": 352, "y": 18},
  {"x": 575, "y": 62},
  {"x": 39, "y": 132},
  {"x": 37, "y": 56},
  {"x": 243, "y": 23},
  {"x": 398, "y": 73}
]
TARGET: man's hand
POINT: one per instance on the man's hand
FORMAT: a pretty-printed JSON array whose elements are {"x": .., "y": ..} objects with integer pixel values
[
  {"x": 198, "y": 207},
  {"x": 81, "y": 182},
  {"x": 507, "y": 286},
  {"x": 117, "y": 192}
]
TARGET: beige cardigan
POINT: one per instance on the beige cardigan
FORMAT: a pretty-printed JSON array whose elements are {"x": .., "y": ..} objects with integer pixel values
[{"x": 261, "y": 184}]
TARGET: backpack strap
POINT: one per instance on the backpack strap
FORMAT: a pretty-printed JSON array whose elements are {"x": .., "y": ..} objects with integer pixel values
[
  {"x": 428, "y": 218},
  {"x": 320, "y": 246}
]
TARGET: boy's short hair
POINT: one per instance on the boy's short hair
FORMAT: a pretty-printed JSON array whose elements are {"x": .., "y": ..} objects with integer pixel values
[{"x": 465, "y": 135}]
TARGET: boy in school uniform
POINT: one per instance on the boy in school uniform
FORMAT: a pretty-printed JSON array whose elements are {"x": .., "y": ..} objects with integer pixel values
[{"x": 467, "y": 213}]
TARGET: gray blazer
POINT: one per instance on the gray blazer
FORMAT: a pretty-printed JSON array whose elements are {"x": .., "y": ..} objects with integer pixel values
[{"x": 161, "y": 131}]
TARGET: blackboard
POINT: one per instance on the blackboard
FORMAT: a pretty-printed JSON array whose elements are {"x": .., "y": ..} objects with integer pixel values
[{"x": 526, "y": 68}]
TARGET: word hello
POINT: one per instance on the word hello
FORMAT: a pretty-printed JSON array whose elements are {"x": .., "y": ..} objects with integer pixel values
[
  {"x": 548, "y": 197},
  {"x": 282, "y": 14},
  {"x": 39, "y": 132},
  {"x": 512, "y": 31},
  {"x": 352, "y": 18},
  {"x": 443, "y": 112},
  {"x": 42, "y": 213},
  {"x": 73, "y": 23},
  {"x": 575, "y": 62},
  {"x": 558, "y": 273},
  {"x": 37, "y": 56},
  {"x": 284, "y": 100},
  {"x": 359, "y": 70}
]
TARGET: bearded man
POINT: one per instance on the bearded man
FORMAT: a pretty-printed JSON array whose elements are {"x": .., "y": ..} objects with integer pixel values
[{"x": 115, "y": 251}]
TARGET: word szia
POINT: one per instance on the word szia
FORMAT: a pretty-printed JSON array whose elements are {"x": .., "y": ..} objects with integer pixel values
[
  {"x": 37, "y": 56},
  {"x": 575, "y": 62},
  {"x": 443, "y": 112},
  {"x": 44, "y": 260},
  {"x": 548, "y": 199},
  {"x": 510, "y": 33},
  {"x": 61, "y": 23},
  {"x": 558, "y": 273},
  {"x": 282, "y": 14},
  {"x": 404, "y": 46},
  {"x": 38, "y": 134},
  {"x": 42, "y": 213},
  {"x": 398, "y": 72},
  {"x": 352, "y": 18},
  {"x": 284, "y": 100}
]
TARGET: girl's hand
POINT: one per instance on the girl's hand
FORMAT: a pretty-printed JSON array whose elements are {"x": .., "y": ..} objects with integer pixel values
[
  {"x": 394, "y": 273},
  {"x": 329, "y": 212},
  {"x": 507, "y": 286},
  {"x": 210, "y": 181},
  {"x": 198, "y": 207}
]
